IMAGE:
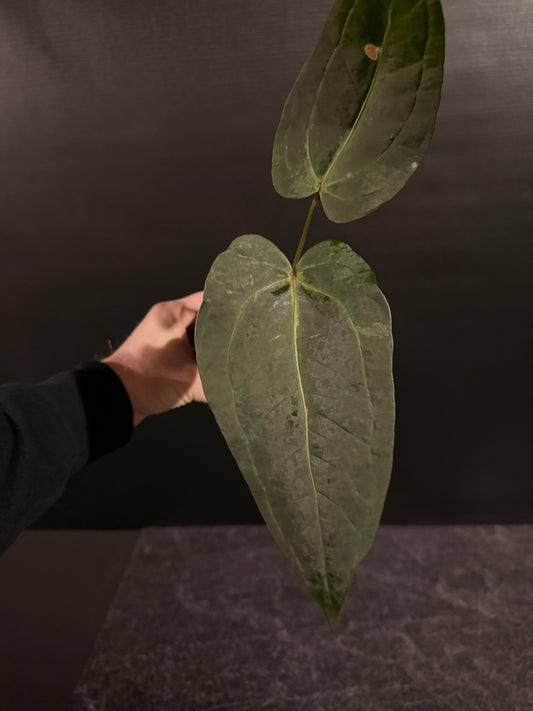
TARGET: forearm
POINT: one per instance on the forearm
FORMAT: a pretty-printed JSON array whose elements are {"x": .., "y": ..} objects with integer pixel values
[{"x": 48, "y": 432}]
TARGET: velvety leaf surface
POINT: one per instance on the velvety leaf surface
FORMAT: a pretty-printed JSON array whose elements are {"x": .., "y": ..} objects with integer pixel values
[
  {"x": 298, "y": 373},
  {"x": 362, "y": 111}
]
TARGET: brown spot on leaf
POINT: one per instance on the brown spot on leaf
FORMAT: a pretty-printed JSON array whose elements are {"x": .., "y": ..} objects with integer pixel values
[{"x": 371, "y": 51}]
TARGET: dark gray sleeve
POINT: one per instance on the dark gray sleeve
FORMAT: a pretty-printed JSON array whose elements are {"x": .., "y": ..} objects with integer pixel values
[{"x": 49, "y": 431}]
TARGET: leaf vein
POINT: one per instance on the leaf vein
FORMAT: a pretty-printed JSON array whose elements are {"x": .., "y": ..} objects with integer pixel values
[
  {"x": 392, "y": 139},
  {"x": 243, "y": 431},
  {"x": 365, "y": 102},
  {"x": 356, "y": 332},
  {"x": 322, "y": 78},
  {"x": 341, "y": 508},
  {"x": 306, "y": 429}
]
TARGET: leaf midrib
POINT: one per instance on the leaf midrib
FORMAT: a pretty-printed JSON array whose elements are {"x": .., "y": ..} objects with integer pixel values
[
  {"x": 365, "y": 102},
  {"x": 398, "y": 133},
  {"x": 281, "y": 280},
  {"x": 294, "y": 290}
]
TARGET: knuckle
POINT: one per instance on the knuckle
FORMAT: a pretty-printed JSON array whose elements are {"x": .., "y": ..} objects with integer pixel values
[{"x": 167, "y": 313}]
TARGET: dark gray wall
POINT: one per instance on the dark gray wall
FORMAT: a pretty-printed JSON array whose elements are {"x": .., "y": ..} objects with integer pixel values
[{"x": 135, "y": 142}]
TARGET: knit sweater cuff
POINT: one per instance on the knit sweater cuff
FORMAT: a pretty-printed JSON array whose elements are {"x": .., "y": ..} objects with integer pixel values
[{"x": 108, "y": 409}]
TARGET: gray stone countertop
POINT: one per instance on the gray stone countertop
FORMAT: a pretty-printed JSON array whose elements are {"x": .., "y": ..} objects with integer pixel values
[{"x": 439, "y": 618}]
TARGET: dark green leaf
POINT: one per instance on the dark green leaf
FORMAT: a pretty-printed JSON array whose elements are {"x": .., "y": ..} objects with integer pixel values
[
  {"x": 362, "y": 111},
  {"x": 297, "y": 370}
]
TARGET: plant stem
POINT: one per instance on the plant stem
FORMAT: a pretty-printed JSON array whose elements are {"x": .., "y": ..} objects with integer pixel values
[{"x": 316, "y": 200}]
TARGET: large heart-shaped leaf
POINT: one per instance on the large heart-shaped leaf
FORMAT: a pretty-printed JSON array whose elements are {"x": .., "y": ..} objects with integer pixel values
[
  {"x": 296, "y": 367},
  {"x": 362, "y": 111}
]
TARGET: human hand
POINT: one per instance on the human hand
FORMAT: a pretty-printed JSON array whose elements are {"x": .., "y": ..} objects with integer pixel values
[{"x": 157, "y": 363}]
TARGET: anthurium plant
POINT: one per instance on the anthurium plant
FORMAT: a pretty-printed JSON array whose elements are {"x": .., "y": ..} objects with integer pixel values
[{"x": 296, "y": 357}]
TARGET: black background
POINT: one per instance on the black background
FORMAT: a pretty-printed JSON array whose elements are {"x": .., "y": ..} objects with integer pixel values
[{"x": 135, "y": 142}]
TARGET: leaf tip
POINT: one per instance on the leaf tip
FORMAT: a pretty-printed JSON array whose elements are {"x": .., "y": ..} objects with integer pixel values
[{"x": 333, "y": 617}]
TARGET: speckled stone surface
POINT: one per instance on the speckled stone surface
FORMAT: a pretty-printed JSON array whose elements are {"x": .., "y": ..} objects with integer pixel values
[{"x": 209, "y": 619}]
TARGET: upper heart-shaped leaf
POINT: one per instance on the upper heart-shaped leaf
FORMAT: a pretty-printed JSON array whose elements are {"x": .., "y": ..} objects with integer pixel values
[
  {"x": 296, "y": 366},
  {"x": 362, "y": 111}
]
